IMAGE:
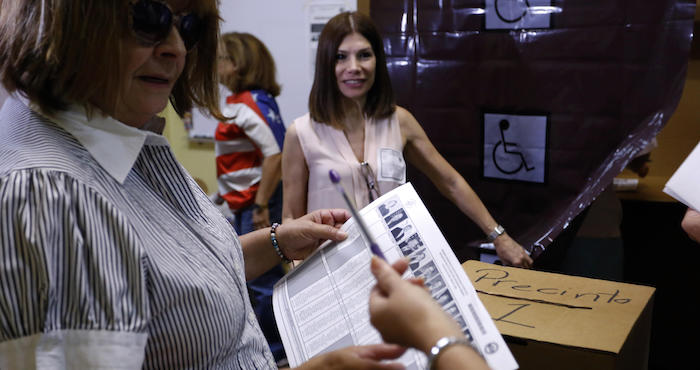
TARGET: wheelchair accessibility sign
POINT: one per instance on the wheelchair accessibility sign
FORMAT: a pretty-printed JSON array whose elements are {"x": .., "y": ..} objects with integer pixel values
[
  {"x": 515, "y": 147},
  {"x": 518, "y": 14}
]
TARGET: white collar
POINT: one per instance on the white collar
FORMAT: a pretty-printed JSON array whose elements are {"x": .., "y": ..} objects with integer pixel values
[{"x": 114, "y": 145}]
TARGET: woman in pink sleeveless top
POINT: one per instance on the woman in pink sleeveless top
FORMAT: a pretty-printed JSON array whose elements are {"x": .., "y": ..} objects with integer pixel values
[{"x": 355, "y": 127}]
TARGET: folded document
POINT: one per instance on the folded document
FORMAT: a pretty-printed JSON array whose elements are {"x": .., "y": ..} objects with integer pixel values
[{"x": 322, "y": 305}]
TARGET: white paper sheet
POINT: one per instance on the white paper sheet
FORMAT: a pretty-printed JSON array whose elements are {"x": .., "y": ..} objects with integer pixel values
[
  {"x": 684, "y": 185},
  {"x": 322, "y": 304}
]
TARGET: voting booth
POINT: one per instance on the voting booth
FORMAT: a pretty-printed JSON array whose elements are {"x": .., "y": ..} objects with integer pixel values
[
  {"x": 539, "y": 104},
  {"x": 554, "y": 321}
]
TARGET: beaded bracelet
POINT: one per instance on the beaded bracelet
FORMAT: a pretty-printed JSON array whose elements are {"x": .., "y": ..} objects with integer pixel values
[{"x": 273, "y": 238}]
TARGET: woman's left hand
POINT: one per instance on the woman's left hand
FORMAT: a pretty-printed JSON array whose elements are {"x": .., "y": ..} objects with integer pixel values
[
  {"x": 511, "y": 253},
  {"x": 298, "y": 238}
]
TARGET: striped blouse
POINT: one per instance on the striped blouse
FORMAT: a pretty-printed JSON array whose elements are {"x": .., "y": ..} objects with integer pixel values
[{"x": 111, "y": 256}]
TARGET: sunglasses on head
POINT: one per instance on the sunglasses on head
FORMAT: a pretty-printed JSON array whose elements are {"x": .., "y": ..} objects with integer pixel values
[{"x": 152, "y": 20}]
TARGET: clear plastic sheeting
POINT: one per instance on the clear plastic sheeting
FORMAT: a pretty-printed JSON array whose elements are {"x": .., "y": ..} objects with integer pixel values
[{"x": 539, "y": 104}]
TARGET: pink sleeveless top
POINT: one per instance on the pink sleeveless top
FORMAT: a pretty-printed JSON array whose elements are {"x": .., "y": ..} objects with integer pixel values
[{"x": 327, "y": 148}]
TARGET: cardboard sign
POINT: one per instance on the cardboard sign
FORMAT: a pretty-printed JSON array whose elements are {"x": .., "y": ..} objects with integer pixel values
[{"x": 560, "y": 321}]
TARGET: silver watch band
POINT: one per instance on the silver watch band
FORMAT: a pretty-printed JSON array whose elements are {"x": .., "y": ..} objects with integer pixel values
[
  {"x": 497, "y": 231},
  {"x": 440, "y": 346}
]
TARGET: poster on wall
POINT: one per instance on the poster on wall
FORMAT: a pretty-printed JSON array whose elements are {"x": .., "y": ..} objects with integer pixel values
[
  {"x": 318, "y": 12},
  {"x": 201, "y": 127}
]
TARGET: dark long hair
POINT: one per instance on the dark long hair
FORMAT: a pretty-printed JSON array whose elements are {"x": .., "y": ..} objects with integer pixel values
[{"x": 325, "y": 99}]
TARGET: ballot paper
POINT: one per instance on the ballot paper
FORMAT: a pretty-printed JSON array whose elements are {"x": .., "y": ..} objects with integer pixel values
[
  {"x": 322, "y": 304},
  {"x": 684, "y": 184}
]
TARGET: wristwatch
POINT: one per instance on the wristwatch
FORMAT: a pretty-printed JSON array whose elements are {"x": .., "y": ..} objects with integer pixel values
[
  {"x": 497, "y": 231},
  {"x": 441, "y": 345}
]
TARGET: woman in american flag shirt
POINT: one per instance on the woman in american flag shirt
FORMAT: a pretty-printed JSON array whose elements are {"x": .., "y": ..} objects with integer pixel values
[{"x": 248, "y": 146}]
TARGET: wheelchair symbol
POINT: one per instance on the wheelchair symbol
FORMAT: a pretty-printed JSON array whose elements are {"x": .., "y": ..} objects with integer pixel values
[
  {"x": 505, "y": 152},
  {"x": 517, "y": 18}
]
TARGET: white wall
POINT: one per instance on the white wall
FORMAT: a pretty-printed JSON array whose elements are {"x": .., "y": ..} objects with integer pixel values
[{"x": 280, "y": 25}]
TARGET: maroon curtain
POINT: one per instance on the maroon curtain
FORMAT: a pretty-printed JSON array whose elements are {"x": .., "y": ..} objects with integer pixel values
[{"x": 539, "y": 104}]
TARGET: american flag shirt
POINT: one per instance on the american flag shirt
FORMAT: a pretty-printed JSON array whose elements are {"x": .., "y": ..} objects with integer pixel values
[{"x": 255, "y": 132}]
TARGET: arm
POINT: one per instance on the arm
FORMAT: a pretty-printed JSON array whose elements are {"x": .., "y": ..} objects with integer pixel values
[
  {"x": 50, "y": 310},
  {"x": 260, "y": 133},
  {"x": 296, "y": 238},
  {"x": 420, "y": 152},
  {"x": 295, "y": 176},
  {"x": 271, "y": 175},
  {"x": 405, "y": 313}
]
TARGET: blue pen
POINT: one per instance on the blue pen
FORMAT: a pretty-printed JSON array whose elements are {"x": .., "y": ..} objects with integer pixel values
[{"x": 335, "y": 178}]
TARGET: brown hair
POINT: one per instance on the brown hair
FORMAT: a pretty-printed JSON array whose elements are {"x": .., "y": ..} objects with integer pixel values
[
  {"x": 255, "y": 68},
  {"x": 325, "y": 99},
  {"x": 58, "y": 52}
]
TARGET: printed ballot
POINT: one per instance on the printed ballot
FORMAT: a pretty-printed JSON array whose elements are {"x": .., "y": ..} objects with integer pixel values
[
  {"x": 322, "y": 304},
  {"x": 683, "y": 185}
]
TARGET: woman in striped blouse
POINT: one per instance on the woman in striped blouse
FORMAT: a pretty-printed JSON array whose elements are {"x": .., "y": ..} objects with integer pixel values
[{"x": 110, "y": 255}]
